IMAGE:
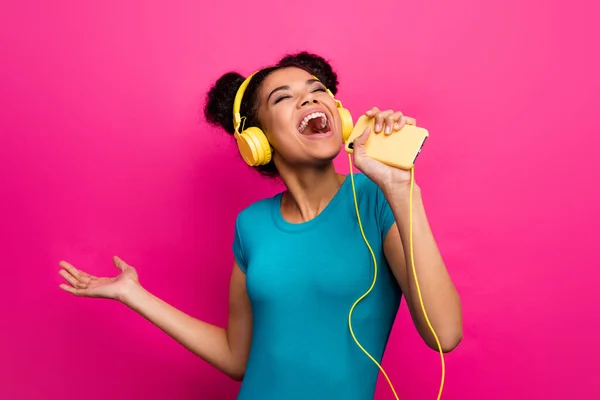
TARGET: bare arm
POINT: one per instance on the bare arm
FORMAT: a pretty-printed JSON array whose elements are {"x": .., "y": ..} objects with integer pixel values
[
  {"x": 226, "y": 349},
  {"x": 439, "y": 295}
]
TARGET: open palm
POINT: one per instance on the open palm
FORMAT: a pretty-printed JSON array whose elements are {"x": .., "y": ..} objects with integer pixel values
[{"x": 83, "y": 284}]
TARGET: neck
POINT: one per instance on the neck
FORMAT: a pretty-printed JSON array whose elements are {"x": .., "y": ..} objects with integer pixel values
[{"x": 308, "y": 191}]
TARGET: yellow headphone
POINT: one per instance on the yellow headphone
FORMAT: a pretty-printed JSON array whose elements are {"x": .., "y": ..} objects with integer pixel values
[{"x": 252, "y": 142}]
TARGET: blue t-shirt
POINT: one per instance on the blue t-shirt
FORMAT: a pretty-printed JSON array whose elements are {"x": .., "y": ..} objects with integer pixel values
[{"x": 302, "y": 280}]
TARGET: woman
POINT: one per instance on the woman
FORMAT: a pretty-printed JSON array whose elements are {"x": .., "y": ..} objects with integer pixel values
[{"x": 300, "y": 259}]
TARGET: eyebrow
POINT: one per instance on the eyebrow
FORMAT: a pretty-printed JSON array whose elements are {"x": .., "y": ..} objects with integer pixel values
[{"x": 277, "y": 89}]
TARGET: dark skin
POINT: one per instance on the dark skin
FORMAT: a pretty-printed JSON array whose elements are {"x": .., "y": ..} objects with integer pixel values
[{"x": 305, "y": 165}]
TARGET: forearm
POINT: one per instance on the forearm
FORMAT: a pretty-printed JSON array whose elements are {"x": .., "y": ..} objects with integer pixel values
[
  {"x": 207, "y": 341},
  {"x": 439, "y": 295}
]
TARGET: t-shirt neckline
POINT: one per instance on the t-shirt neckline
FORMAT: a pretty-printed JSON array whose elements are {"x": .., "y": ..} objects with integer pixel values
[{"x": 284, "y": 225}]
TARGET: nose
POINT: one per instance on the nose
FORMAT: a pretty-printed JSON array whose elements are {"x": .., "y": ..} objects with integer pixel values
[
  {"x": 313, "y": 101},
  {"x": 308, "y": 99}
]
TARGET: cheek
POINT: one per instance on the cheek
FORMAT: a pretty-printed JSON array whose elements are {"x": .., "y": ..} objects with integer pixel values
[
  {"x": 281, "y": 131},
  {"x": 284, "y": 141}
]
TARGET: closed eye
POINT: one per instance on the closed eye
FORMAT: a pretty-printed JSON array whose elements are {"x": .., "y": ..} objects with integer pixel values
[
  {"x": 277, "y": 100},
  {"x": 283, "y": 97},
  {"x": 319, "y": 87}
]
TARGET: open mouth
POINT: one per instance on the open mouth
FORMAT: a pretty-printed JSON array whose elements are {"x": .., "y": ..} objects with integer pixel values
[{"x": 314, "y": 123}]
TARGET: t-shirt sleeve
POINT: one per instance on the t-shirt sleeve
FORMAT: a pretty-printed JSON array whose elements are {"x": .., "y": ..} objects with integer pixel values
[
  {"x": 384, "y": 213},
  {"x": 238, "y": 248}
]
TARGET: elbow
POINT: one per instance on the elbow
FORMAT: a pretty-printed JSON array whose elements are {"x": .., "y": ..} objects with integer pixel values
[
  {"x": 451, "y": 336},
  {"x": 238, "y": 377},
  {"x": 447, "y": 339},
  {"x": 237, "y": 373},
  {"x": 448, "y": 342},
  {"x": 450, "y": 345}
]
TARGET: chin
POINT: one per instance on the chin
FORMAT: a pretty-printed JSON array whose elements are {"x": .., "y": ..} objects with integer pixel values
[{"x": 329, "y": 153}]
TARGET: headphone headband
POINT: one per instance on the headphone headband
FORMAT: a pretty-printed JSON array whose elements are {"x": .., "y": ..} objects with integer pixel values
[{"x": 237, "y": 103}]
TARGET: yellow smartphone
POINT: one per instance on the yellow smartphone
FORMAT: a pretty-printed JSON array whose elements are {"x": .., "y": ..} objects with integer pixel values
[{"x": 399, "y": 149}]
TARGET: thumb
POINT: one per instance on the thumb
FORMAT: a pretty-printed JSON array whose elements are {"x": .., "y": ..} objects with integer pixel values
[
  {"x": 120, "y": 264},
  {"x": 362, "y": 139}
]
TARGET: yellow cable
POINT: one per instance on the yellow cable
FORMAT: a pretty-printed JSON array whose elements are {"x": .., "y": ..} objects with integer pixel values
[{"x": 412, "y": 258}]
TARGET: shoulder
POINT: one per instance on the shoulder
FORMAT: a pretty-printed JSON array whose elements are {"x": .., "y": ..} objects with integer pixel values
[
  {"x": 365, "y": 187},
  {"x": 364, "y": 181},
  {"x": 372, "y": 202},
  {"x": 249, "y": 222},
  {"x": 256, "y": 212}
]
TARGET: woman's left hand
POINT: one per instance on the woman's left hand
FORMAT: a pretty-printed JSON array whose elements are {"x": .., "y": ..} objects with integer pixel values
[{"x": 386, "y": 123}]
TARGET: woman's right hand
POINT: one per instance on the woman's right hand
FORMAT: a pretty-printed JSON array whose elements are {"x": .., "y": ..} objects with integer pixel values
[{"x": 85, "y": 285}]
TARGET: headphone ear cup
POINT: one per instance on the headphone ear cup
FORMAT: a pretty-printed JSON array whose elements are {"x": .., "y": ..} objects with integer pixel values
[
  {"x": 254, "y": 147},
  {"x": 347, "y": 123}
]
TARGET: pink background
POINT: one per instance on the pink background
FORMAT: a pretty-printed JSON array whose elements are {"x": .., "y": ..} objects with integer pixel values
[{"x": 103, "y": 151}]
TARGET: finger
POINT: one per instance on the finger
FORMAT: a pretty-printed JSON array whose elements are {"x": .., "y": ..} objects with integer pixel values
[
  {"x": 359, "y": 143},
  {"x": 391, "y": 122},
  {"x": 400, "y": 124},
  {"x": 372, "y": 112},
  {"x": 72, "y": 290},
  {"x": 362, "y": 139},
  {"x": 379, "y": 120},
  {"x": 405, "y": 121},
  {"x": 398, "y": 120},
  {"x": 70, "y": 278},
  {"x": 79, "y": 275},
  {"x": 120, "y": 264}
]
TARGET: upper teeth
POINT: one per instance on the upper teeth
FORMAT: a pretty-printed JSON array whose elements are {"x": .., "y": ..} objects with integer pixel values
[{"x": 306, "y": 119}]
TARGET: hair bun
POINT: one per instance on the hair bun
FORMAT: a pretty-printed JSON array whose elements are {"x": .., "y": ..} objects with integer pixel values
[{"x": 218, "y": 109}]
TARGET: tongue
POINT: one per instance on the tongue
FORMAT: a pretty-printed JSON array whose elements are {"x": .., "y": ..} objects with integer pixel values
[{"x": 314, "y": 126}]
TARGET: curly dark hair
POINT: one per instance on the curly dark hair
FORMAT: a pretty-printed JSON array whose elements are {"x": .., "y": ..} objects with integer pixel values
[{"x": 218, "y": 109}]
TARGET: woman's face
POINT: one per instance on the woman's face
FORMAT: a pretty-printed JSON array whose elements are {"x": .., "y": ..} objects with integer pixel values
[{"x": 299, "y": 118}]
